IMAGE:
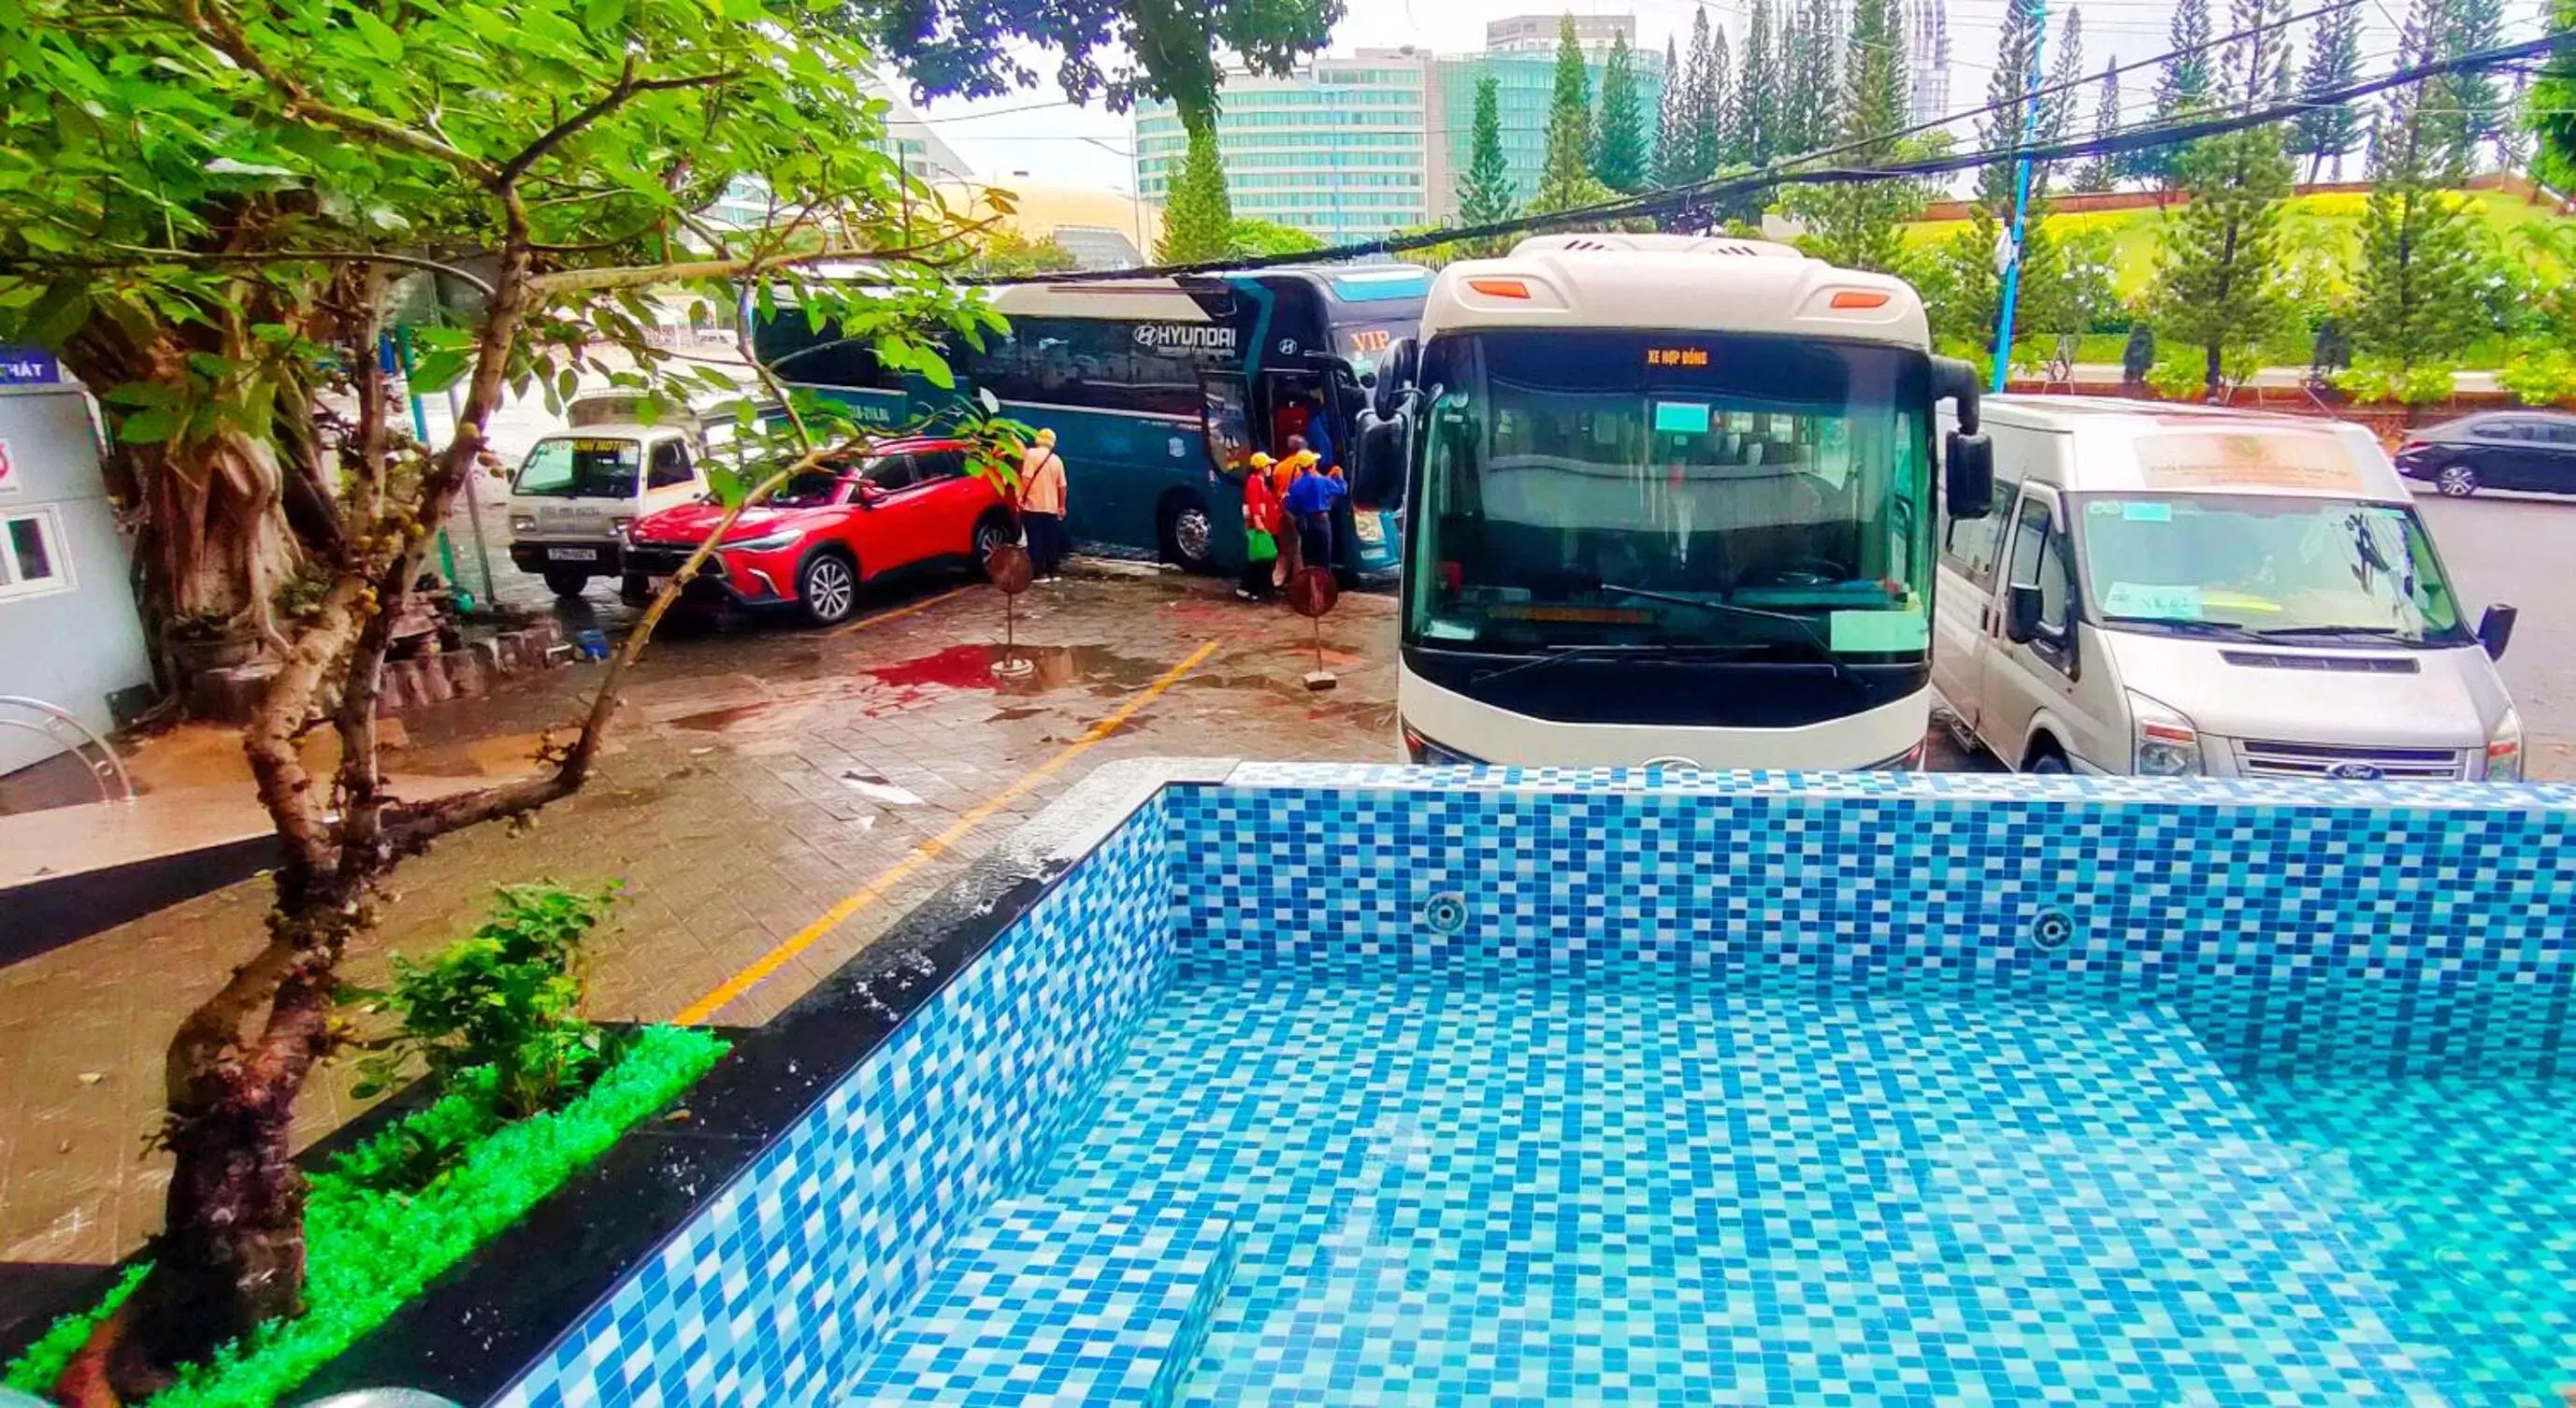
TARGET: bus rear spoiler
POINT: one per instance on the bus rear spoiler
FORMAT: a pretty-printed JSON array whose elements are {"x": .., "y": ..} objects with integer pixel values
[{"x": 1967, "y": 456}]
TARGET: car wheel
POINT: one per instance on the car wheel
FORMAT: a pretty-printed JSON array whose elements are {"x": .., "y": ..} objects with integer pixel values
[
  {"x": 564, "y": 583},
  {"x": 2457, "y": 481},
  {"x": 992, "y": 534},
  {"x": 636, "y": 590},
  {"x": 2048, "y": 762},
  {"x": 1189, "y": 536},
  {"x": 828, "y": 588}
]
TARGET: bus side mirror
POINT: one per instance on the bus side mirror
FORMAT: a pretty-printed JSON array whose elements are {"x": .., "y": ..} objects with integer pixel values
[
  {"x": 1380, "y": 481},
  {"x": 2495, "y": 629},
  {"x": 1394, "y": 373},
  {"x": 1969, "y": 462}
]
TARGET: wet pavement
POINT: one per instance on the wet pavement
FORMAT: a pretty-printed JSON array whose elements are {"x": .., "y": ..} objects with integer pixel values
[{"x": 760, "y": 776}]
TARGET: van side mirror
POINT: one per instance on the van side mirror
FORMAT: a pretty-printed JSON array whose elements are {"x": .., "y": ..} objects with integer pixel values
[
  {"x": 1968, "y": 461},
  {"x": 2495, "y": 629},
  {"x": 1379, "y": 480},
  {"x": 2022, "y": 608}
]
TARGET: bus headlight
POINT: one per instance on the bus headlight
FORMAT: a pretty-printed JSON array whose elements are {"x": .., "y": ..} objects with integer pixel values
[
  {"x": 2504, "y": 750},
  {"x": 2166, "y": 743}
]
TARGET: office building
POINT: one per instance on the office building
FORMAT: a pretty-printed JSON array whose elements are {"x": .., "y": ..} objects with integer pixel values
[
  {"x": 1351, "y": 148},
  {"x": 1927, "y": 58},
  {"x": 1537, "y": 34}
]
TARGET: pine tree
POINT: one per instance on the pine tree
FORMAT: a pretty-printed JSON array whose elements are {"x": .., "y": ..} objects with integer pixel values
[
  {"x": 2098, "y": 172},
  {"x": 2066, "y": 80},
  {"x": 2325, "y": 132},
  {"x": 1485, "y": 194},
  {"x": 2254, "y": 68},
  {"x": 2474, "y": 115},
  {"x": 1859, "y": 225},
  {"x": 2415, "y": 307},
  {"x": 1198, "y": 218},
  {"x": 1673, "y": 125},
  {"x": 1756, "y": 130},
  {"x": 1715, "y": 143},
  {"x": 1809, "y": 71},
  {"x": 2219, "y": 288},
  {"x": 2182, "y": 86},
  {"x": 1619, "y": 146},
  {"x": 1567, "y": 174},
  {"x": 2008, "y": 121},
  {"x": 2550, "y": 108}
]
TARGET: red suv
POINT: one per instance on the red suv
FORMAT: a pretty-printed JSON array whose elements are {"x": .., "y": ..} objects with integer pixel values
[{"x": 826, "y": 531}]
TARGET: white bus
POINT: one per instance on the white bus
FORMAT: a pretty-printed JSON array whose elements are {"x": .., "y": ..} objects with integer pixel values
[{"x": 1670, "y": 501}]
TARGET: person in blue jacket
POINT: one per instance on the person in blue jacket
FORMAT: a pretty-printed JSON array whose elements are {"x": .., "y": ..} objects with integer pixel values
[{"x": 1309, "y": 501}]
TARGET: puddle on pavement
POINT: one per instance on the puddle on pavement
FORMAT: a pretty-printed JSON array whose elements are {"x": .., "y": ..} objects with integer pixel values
[{"x": 1051, "y": 667}]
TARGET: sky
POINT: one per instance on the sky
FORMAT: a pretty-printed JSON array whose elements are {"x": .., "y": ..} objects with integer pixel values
[{"x": 1056, "y": 142}]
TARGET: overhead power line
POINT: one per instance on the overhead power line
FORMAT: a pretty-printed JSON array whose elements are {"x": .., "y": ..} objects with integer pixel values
[{"x": 1699, "y": 195}]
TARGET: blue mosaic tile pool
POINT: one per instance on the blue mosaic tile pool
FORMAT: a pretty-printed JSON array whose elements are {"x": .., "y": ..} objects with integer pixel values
[{"x": 1362, "y": 1086}]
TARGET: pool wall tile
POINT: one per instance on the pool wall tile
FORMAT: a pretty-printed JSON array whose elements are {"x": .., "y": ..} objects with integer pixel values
[
  {"x": 777, "y": 1290},
  {"x": 2420, "y": 928},
  {"x": 2412, "y": 930}
]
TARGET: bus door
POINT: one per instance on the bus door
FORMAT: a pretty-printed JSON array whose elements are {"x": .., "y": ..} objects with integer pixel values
[{"x": 1225, "y": 420}]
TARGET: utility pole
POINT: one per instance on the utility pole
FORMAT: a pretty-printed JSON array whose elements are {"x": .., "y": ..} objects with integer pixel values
[{"x": 2021, "y": 203}]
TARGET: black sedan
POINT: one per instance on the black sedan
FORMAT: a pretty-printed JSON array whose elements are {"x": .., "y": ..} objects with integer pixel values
[{"x": 2495, "y": 450}]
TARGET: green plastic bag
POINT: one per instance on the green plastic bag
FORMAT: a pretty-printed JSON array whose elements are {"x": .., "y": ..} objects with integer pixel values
[{"x": 1259, "y": 546}]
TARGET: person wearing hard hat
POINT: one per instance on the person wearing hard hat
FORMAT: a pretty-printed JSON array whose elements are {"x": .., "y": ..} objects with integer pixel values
[{"x": 1042, "y": 506}]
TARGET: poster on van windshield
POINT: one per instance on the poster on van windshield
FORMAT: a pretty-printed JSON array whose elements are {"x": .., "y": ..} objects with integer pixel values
[{"x": 2275, "y": 457}]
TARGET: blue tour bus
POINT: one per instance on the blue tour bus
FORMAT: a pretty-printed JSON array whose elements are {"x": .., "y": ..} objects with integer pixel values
[{"x": 1158, "y": 390}]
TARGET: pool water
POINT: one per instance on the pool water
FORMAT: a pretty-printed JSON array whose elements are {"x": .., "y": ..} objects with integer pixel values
[{"x": 1560, "y": 1193}]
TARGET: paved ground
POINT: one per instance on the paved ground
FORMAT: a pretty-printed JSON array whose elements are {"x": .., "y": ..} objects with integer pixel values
[
  {"x": 761, "y": 777},
  {"x": 764, "y": 774},
  {"x": 2522, "y": 549}
]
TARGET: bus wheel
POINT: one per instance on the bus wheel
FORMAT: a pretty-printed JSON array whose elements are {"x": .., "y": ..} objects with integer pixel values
[{"x": 1189, "y": 535}]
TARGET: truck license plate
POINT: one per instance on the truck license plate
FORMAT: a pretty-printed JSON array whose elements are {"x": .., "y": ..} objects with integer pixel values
[{"x": 572, "y": 554}]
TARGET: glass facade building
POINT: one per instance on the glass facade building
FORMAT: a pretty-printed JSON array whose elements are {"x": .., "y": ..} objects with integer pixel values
[{"x": 1352, "y": 148}]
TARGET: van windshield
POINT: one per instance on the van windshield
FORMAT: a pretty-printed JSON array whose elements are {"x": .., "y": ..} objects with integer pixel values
[
  {"x": 579, "y": 468},
  {"x": 2291, "y": 568}
]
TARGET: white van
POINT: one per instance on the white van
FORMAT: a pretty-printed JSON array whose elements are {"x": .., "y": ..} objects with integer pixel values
[
  {"x": 2175, "y": 591},
  {"x": 577, "y": 493}
]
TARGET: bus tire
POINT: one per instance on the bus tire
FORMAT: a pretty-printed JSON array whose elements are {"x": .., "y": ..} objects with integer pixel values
[{"x": 1188, "y": 533}]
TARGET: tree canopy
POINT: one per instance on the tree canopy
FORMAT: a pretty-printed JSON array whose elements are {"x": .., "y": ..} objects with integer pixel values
[
  {"x": 1198, "y": 218},
  {"x": 1567, "y": 177},
  {"x": 1121, "y": 50},
  {"x": 1619, "y": 137}
]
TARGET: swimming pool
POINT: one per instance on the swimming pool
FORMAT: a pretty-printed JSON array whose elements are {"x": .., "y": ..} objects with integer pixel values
[{"x": 1356, "y": 1085}]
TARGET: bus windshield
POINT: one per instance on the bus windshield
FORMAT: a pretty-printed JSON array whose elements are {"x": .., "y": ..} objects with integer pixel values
[
  {"x": 1641, "y": 489},
  {"x": 2288, "y": 567}
]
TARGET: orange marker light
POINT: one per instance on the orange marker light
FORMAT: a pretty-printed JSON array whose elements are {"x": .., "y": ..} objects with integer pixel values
[
  {"x": 1500, "y": 288},
  {"x": 1858, "y": 298}
]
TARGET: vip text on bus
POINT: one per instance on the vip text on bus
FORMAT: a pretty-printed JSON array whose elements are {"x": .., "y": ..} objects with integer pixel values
[
  {"x": 1671, "y": 501},
  {"x": 1159, "y": 391}
]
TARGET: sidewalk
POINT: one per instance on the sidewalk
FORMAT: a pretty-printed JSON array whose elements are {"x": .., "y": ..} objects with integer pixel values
[{"x": 758, "y": 778}]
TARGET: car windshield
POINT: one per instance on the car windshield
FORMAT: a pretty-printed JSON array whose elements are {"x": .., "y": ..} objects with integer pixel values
[
  {"x": 812, "y": 489},
  {"x": 568, "y": 468},
  {"x": 2264, "y": 566},
  {"x": 1668, "y": 489}
]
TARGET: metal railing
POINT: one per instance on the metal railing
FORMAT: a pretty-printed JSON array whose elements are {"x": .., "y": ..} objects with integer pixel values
[{"x": 106, "y": 770}]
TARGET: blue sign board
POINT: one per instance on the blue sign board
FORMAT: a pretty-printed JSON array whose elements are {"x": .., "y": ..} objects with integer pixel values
[{"x": 28, "y": 366}]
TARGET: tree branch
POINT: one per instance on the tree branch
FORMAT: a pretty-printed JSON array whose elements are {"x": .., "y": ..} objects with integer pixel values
[
  {"x": 151, "y": 254},
  {"x": 219, "y": 30},
  {"x": 640, "y": 275},
  {"x": 410, "y": 828},
  {"x": 627, "y": 86}
]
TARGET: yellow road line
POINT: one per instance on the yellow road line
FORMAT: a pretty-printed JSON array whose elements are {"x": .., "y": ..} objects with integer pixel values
[
  {"x": 914, "y": 609},
  {"x": 930, "y": 850}
]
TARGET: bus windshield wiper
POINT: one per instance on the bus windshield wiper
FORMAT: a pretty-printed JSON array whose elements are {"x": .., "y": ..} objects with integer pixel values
[
  {"x": 1807, "y": 634},
  {"x": 1560, "y": 654},
  {"x": 2182, "y": 625},
  {"x": 2391, "y": 633}
]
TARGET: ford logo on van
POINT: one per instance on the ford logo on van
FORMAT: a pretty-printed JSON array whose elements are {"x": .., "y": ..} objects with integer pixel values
[{"x": 2355, "y": 772}]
